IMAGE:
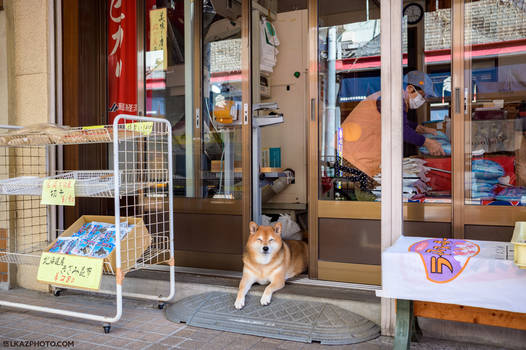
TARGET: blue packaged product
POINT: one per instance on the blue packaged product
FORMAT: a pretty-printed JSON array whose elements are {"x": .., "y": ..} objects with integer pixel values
[
  {"x": 442, "y": 139},
  {"x": 482, "y": 195},
  {"x": 481, "y": 186},
  {"x": 511, "y": 194},
  {"x": 486, "y": 169}
]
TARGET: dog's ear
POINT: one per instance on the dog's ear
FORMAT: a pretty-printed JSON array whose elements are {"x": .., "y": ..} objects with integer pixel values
[
  {"x": 277, "y": 228},
  {"x": 253, "y": 227}
]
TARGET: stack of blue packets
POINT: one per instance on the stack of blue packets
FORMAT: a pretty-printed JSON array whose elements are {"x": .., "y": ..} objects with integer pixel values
[{"x": 94, "y": 239}]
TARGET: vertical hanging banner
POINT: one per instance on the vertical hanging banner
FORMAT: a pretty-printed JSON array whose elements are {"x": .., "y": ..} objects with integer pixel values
[
  {"x": 158, "y": 37},
  {"x": 122, "y": 58}
]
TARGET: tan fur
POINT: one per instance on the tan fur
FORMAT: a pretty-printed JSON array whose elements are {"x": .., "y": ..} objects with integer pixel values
[{"x": 285, "y": 259}]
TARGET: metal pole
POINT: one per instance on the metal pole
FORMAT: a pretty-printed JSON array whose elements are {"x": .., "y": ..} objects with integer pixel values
[
  {"x": 331, "y": 96},
  {"x": 189, "y": 96}
]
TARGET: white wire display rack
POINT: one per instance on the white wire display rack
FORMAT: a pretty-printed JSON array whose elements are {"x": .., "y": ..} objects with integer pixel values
[{"x": 140, "y": 183}]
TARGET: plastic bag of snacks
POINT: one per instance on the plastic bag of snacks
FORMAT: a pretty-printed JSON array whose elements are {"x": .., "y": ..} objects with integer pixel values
[
  {"x": 486, "y": 169},
  {"x": 511, "y": 194}
]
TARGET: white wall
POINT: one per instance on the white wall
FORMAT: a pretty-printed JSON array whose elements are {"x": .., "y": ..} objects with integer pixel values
[{"x": 291, "y": 136}]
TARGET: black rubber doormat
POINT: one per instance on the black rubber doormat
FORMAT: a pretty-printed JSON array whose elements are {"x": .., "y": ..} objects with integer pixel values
[{"x": 286, "y": 319}]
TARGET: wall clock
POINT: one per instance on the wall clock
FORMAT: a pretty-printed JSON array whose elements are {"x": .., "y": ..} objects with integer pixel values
[{"x": 414, "y": 13}]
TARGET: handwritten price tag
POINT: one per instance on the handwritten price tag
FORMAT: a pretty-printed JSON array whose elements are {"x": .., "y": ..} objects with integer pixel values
[
  {"x": 70, "y": 270},
  {"x": 144, "y": 128},
  {"x": 58, "y": 192}
]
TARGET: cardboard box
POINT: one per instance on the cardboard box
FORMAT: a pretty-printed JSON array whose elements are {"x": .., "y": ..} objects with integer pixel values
[{"x": 133, "y": 244}]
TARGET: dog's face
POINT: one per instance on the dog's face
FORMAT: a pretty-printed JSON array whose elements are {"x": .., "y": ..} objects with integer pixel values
[{"x": 264, "y": 241}]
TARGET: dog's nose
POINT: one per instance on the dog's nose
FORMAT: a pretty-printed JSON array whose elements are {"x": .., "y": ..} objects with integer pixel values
[{"x": 265, "y": 249}]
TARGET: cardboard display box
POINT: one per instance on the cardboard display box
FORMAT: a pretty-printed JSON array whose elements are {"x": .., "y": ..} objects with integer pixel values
[{"x": 133, "y": 244}]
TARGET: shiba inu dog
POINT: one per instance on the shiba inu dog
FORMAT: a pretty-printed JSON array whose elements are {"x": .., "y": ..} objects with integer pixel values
[{"x": 268, "y": 258}]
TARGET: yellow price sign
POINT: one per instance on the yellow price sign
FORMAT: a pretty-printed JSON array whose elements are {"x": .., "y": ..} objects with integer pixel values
[
  {"x": 144, "y": 128},
  {"x": 92, "y": 127},
  {"x": 58, "y": 192},
  {"x": 70, "y": 270}
]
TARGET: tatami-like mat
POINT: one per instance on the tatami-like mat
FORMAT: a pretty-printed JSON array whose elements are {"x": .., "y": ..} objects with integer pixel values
[{"x": 288, "y": 319}]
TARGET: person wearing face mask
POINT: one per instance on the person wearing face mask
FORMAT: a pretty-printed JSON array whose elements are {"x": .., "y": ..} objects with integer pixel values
[{"x": 360, "y": 136}]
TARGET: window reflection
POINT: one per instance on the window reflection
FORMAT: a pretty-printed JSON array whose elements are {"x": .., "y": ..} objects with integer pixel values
[
  {"x": 349, "y": 74},
  {"x": 350, "y": 105},
  {"x": 495, "y": 44},
  {"x": 165, "y": 74},
  {"x": 221, "y": 105}
]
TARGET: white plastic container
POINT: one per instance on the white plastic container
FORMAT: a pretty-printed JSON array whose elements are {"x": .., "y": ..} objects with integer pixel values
[{"x": 519, "y": 243}]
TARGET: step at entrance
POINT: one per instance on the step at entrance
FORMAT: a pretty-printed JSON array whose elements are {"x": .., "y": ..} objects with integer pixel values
[{"x": 286, "y": 319}]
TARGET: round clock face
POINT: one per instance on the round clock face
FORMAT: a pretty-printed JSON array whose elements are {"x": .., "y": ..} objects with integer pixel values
[{"x": 414, "y": 13}]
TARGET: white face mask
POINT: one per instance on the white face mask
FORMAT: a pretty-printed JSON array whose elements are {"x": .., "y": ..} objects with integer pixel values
[{"x": 417, "y": 101}]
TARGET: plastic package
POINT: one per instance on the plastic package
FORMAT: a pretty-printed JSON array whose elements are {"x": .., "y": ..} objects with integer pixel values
[
  {"x": 511, "y": 194},
  {"x": 94, "y": 239},
  {"x": 486, "y": 169},
  {"x": 442, "y": 139}
]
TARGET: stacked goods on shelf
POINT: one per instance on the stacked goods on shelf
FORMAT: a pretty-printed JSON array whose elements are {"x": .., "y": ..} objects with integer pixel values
[
  {"x": 93, "y": 239},
  {"x": 492, "y": 178},
  {"x": 414, "y": 179},
  {"x": 485, "y": 177},
  {"x": 94, "y": 236}
]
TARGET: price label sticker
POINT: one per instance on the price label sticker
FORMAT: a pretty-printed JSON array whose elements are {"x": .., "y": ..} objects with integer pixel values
[
  {"x": 70, "y": 270},
  {"x": 58, "y": 192},
  {"x": 144, "y": 128},
  {"x": 92, "y": 127}
]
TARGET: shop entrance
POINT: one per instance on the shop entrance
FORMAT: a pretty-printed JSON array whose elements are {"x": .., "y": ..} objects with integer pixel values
[{"x": 260, "y": 128}]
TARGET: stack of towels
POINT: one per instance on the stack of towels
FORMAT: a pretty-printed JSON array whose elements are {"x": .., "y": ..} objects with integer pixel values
[{"x": 414, "y": 179}]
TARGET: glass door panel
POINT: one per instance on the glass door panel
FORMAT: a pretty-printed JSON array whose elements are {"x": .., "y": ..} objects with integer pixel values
[
  {"x": 495, "y": 102},
  {"x": 427, "y": 107},
  {"x": 221, "y": 161},
  {"x": 193, "y": 77},
  {"x": 165, "y": 78},
  {"x": 348, "y": 88}
]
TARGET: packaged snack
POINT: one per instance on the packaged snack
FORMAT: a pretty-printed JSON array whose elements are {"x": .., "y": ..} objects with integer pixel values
[
  {"x": 486, "y": 169},
  {"x": 511, "y": 194},
  {"x": 63, "y": 245}
]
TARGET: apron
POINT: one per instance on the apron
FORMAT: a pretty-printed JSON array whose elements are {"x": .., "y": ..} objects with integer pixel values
[{"x": 362, "y": 132}]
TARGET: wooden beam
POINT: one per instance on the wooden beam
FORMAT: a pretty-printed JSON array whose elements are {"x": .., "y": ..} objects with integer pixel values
[
  {"x": 470, "y": 314},
  {"x": 391, "y": 81},
  {"x": 313, "y": 156},
  {"x": 458, "y": 119},
  {"x": 352, "y": 273}
]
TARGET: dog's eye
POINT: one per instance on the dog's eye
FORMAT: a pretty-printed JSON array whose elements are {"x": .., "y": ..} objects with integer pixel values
[
  {"x": 260, "y": 240},
  {"x": 270, "y": 240}
]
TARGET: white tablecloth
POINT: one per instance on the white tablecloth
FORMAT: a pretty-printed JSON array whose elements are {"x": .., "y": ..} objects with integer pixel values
[{"x": 454, "y": 272}]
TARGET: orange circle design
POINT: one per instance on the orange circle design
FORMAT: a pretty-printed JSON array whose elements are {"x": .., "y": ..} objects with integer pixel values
[{"x": 352, "y": 132}]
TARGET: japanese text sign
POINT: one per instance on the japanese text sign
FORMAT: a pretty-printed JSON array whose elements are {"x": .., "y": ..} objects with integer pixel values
[
  {"x": 122, "y": 58},
  {"x": 70, "y": 270},
  {"x": 444, "y": 259},
  {"x": 58, "y": 192},
  {"x": 158, "y": 31},
  {"x": 144, "y": 128}
]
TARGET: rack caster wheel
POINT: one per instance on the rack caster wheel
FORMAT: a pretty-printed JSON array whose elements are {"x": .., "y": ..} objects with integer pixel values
[
  {"x": 57, "y": 292},
  {"x": 107, "y": 328},
  {"x": 161, "y": 306}
]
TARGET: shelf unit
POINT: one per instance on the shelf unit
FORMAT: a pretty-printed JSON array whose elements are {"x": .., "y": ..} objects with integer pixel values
[{"x": 140, "y": 183}]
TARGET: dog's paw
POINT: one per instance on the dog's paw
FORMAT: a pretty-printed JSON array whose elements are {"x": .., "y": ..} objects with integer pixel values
[
  {"x": 239, "y": 303},
  {"x": 265, "y": 299}
]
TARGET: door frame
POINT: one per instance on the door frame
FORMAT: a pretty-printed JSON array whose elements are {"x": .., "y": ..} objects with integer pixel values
[{"x": 193, "y": 202}]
